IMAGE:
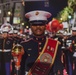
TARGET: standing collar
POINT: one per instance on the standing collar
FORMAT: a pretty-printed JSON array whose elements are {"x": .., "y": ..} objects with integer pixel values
[{"x": 41, "y": 38}]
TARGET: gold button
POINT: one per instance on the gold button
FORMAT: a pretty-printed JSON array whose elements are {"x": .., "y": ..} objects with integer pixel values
[
  {"x": 39, "y": 52},
  {"x": 39, "y": 43},
  {"x": 28, "y": 54},
  {"x": 29, "y": 49},
  {"x": 36, "y": 38},
  {"x": 40, "y": 48},
  {"x": 45, "y": 60}
]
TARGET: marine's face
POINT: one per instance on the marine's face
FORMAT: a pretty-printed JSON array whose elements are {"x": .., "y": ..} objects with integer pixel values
[
  {"x": 38, "y": 30},
  {"x": 74, "y": 33},
  {"x": 10, "y": 35},
  {"x": 5, "y": 35}
]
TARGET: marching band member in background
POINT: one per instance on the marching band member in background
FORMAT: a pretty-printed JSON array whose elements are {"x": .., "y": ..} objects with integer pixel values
[
  {"x": 65, "y": 49},
  {"x": 10, "y": 34},
  {"x": 58, "y": 64},
  {"x": 16, "y": 36},
  {"x": 6, "y": 45},
  {"x": 72, "y": 53}
]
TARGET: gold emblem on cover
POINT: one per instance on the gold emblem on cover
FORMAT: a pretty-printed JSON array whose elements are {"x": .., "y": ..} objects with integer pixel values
[{"x": 37, "y": 13}]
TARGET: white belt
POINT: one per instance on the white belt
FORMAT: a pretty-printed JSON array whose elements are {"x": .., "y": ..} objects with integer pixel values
[
  {"x": 26, "y": 73},
  {"x": 5, "y": 50},
  {"x": 74, "y": 55}
]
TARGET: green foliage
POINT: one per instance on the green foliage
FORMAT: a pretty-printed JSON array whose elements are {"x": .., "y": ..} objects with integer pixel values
[{"x": 68, "y": 10}]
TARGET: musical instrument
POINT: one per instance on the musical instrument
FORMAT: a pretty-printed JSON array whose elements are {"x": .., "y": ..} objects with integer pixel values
[{"x": 17, "y": 52}]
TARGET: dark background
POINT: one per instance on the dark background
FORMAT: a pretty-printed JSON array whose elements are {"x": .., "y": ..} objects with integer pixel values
[{"x": 53, "y": 6}]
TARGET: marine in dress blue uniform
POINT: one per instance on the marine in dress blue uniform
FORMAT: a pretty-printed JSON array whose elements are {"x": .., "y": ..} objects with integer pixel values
[
  {"x": 33, "y": 47},
  {"x": 72, "y": 53},
  {"x": 69, "y": 52},
  {"x": 16, "y": 37},
  {"x": 58, "y": 65},
  {"x": 6, "y": 45}
]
